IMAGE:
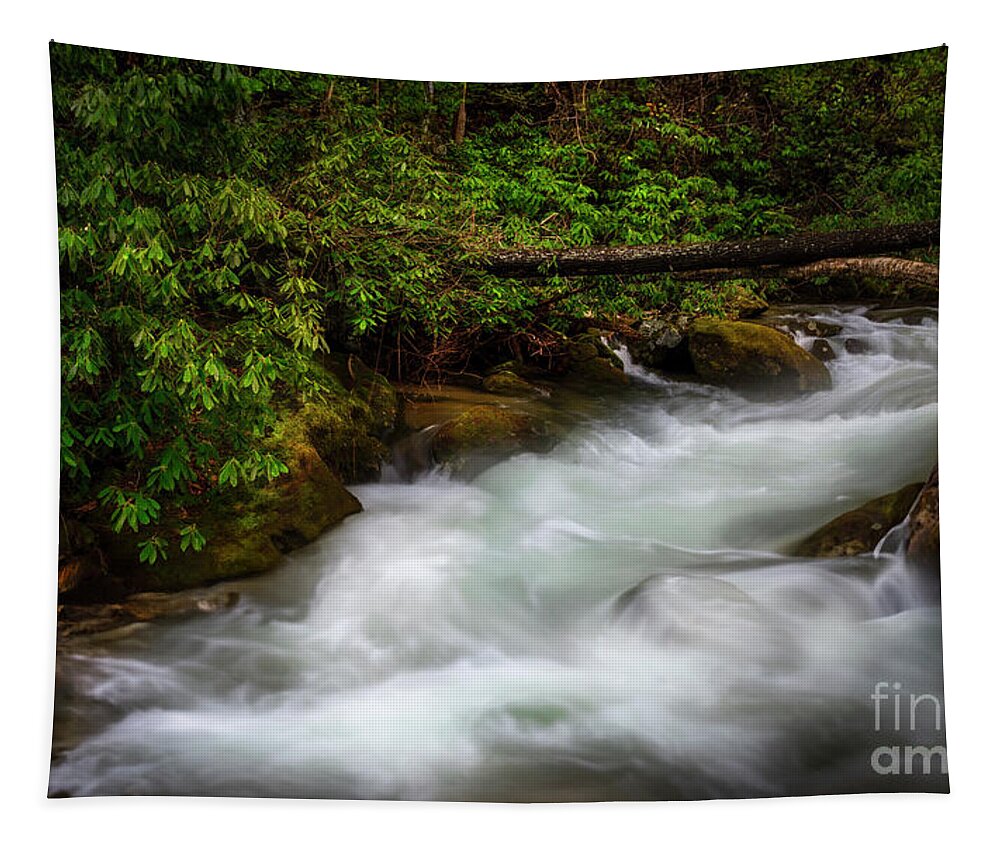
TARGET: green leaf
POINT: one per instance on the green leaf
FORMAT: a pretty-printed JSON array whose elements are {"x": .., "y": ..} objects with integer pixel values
[
  {"x": 152, "y": 549},
  {"x": 191, "y": 538},
  {"x": 229, "y": 474}
]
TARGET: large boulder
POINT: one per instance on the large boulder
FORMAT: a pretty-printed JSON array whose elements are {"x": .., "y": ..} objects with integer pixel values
[
  {"x": 753, "y": 358},
  {"x": 859, "y": 530},
  {"x": 247, "y": 532},
  {"x": 336, "y": 438},
  {"x": 352, "y": 425}
]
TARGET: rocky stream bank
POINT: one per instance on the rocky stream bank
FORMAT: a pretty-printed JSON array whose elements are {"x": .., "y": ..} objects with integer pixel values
[{"x": 366, "y": 425}]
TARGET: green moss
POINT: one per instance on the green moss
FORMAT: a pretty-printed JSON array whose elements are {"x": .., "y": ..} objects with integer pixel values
[
  {"x": 484, "y": 434},
  {"x": 600, "y": 370},
  {"x": 506, "y": 383},
  {"x": 592, "y": 361},
  {"x": 859, "y": 530},
  {"x": 247, "y": 532},
  {"x": 373, "y": 401},
  {"x": 347, "y": 427},
  {"x": 340, "y": 431},
  {"x": 753, "y": 357},
  {"x": 486, "y": 422},
  {"x": 582, "y": 350}
]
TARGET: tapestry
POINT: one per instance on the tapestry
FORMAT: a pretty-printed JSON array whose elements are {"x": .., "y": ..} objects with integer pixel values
[{"x": 477, "y": 441}]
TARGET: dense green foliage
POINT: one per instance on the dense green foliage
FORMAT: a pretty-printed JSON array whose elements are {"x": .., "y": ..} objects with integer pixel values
[{"x": 219, "y": 226}]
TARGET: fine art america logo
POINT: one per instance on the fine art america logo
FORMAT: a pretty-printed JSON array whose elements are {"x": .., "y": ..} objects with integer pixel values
[{"x": 906, "y": 713}]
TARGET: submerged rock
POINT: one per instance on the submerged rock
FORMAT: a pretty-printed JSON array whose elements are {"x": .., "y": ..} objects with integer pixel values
[
  {"x": 153, "y": 605},
  {"x": 140, "y": 608},
  {"x": 754, "y": 358},
  {"x": 807, "y": 326},
  {"x": 859, "y": 530},
  {"x": 682, "y": 609},
  {"x": 412, "y": 454},
  {"x": 823, "y": 350},
  {"x": 911, "y": 315}
]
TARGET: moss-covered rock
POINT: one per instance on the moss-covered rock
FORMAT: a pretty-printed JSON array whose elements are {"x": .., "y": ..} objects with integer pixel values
[
  {"x": 593, "y": 362},
  {"x": 923, "y": 547},
  {"x": 247, "y": 532},
  {"x": 334, "y": 438},
  {"x": 341, "y": 433},
  {"x": 506, "y": 383},
  {"x": 351, "y": 425},
  {"x": 600, "y": 371},
  {"x": 742, "y": 302},
  {"x": 580, "y": 351},
  {"x": 859, "y": 530},
  {"x": 485, "y": 434},
  {"x": 381, "y": 404},
  {"x": 597, "y": 338},
  {"x": 522, "y": 369},
  {"x": 753, "y": 358}
]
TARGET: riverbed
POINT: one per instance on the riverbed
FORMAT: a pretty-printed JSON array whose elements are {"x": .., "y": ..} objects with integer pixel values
[{"x": 619, "y": 618}]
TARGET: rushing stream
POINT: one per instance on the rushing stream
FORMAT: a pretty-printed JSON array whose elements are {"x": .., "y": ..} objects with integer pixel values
[{"x": 616, "y": 619}]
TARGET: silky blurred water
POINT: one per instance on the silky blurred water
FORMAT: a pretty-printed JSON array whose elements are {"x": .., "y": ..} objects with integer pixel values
[{"x": 616, "y": 619}]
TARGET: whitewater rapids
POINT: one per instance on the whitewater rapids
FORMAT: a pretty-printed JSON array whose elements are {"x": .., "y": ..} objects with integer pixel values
[{"x": 616, "y": 619}]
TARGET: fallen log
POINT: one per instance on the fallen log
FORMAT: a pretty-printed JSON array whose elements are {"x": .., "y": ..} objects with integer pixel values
[
  {"x": 796, "y": 249},
  {"x": 893, "y": 269}
]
